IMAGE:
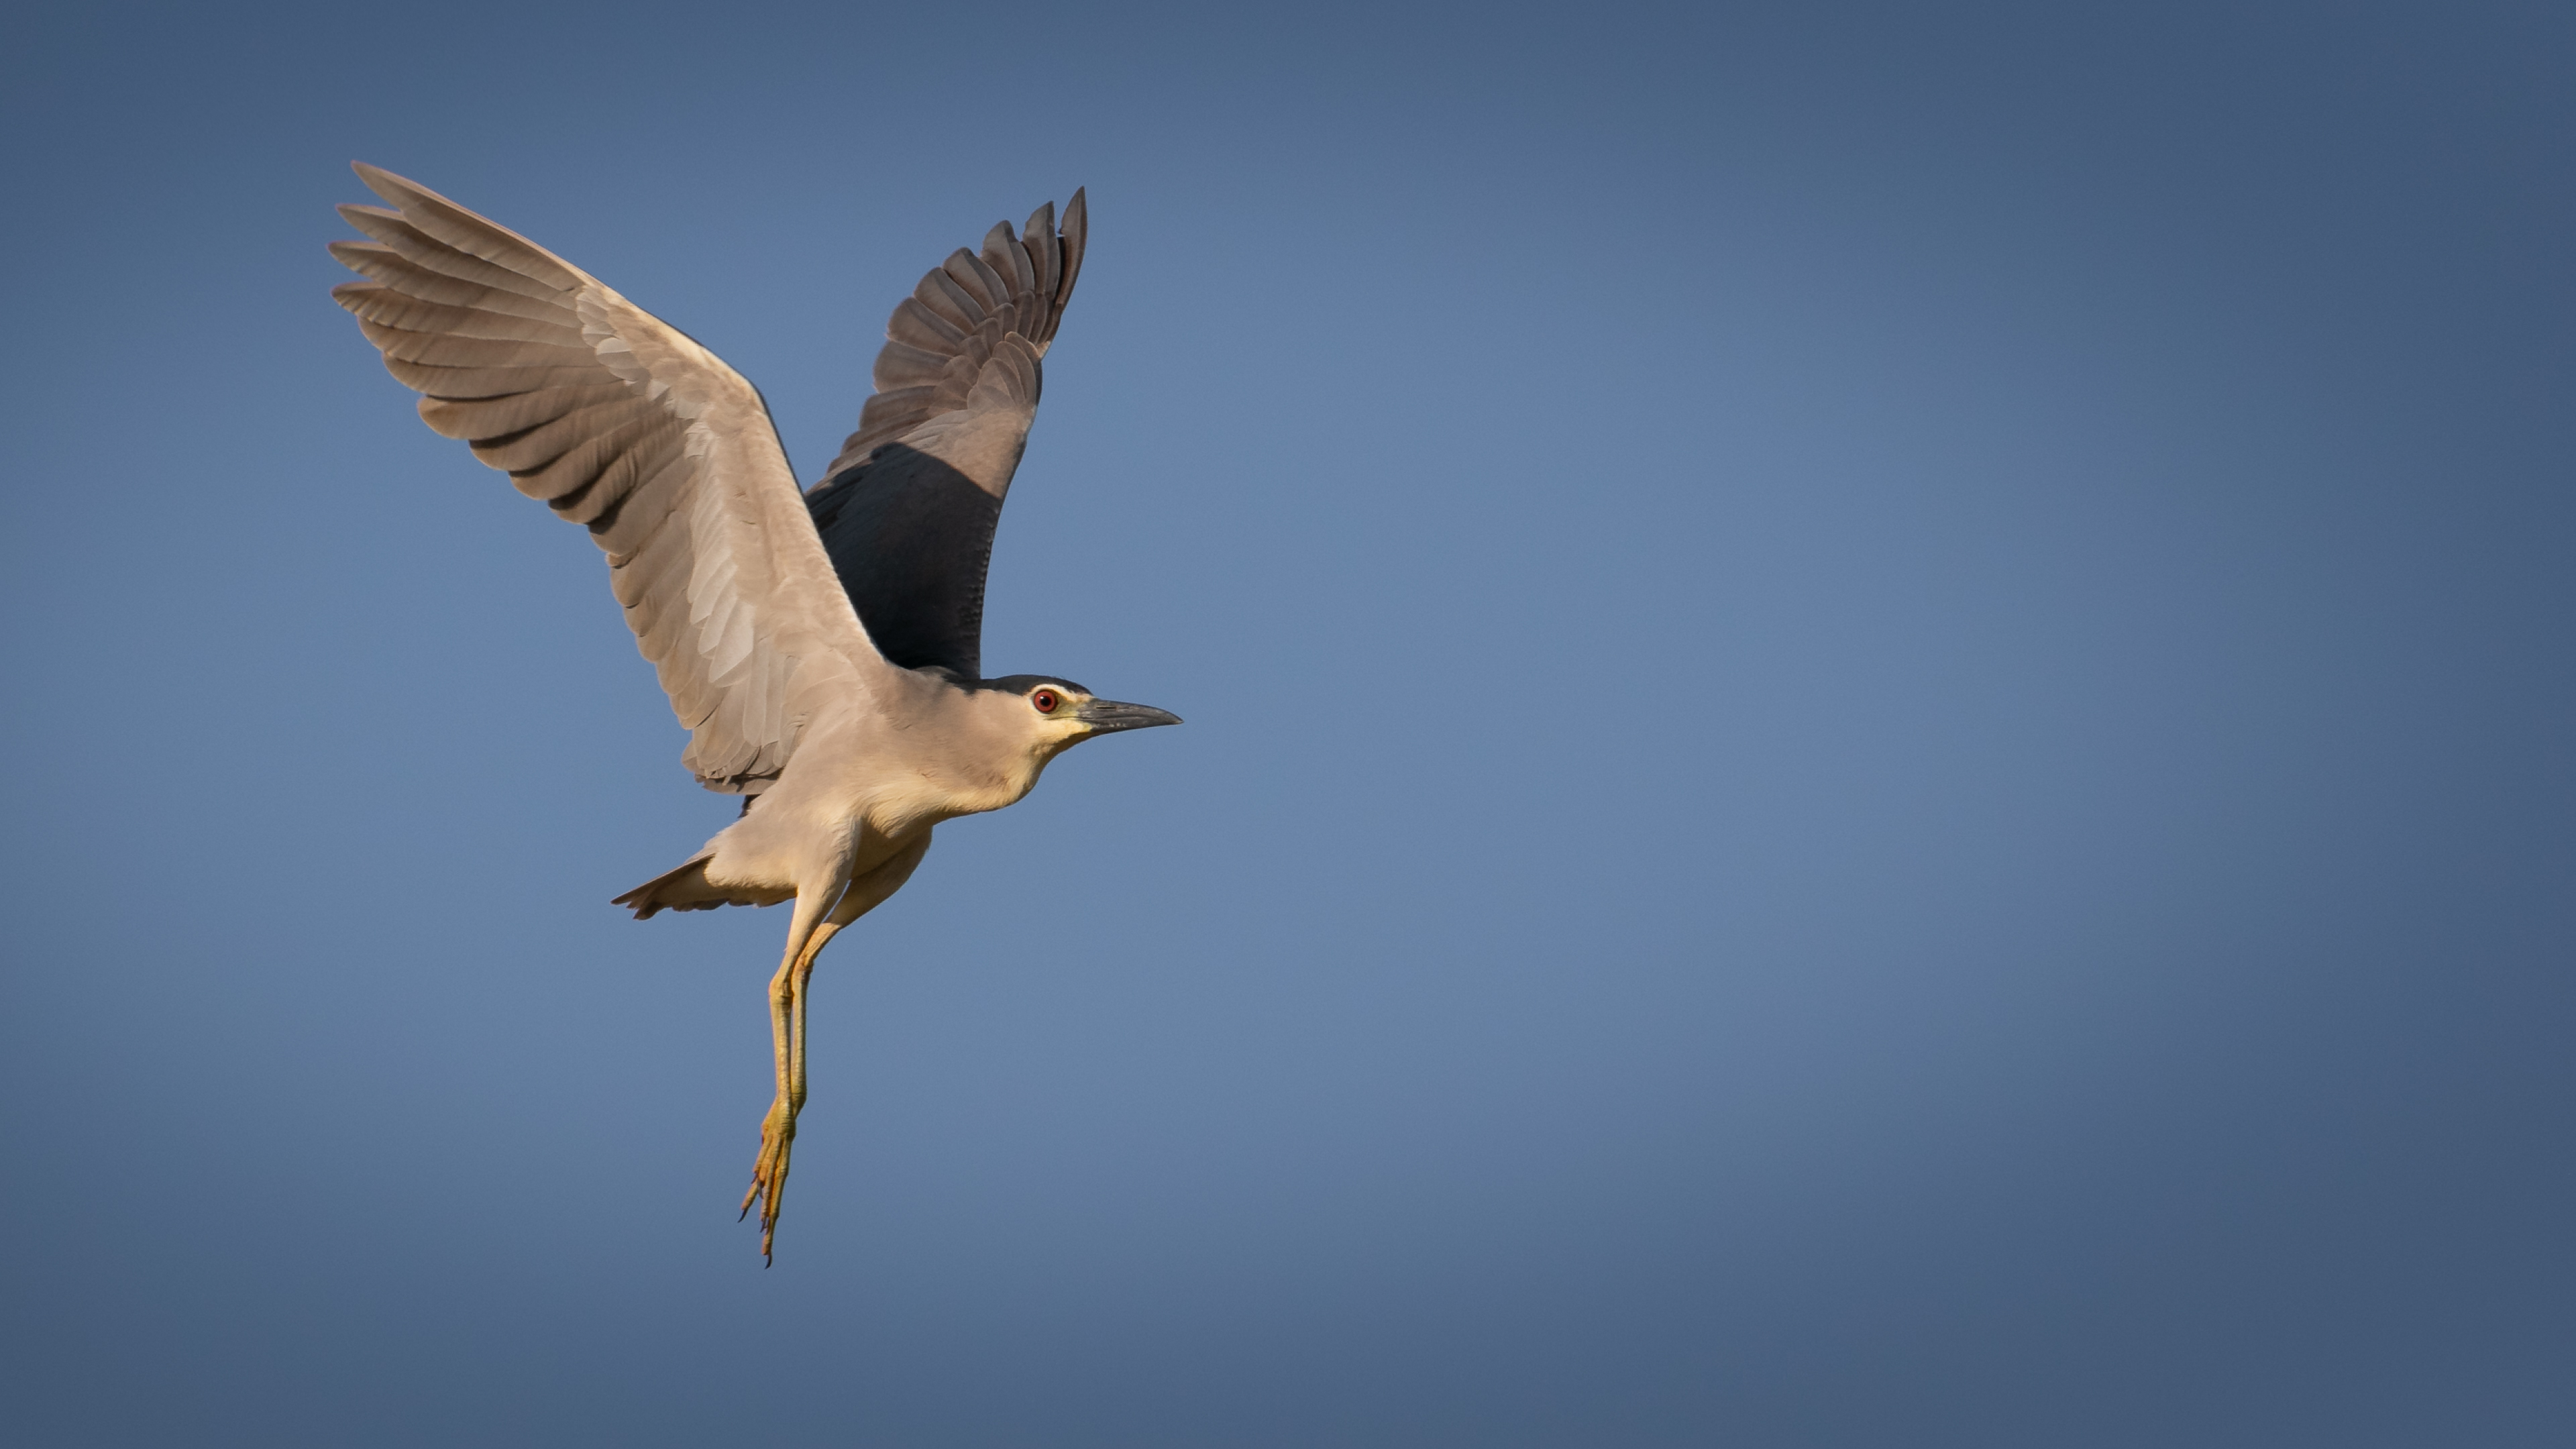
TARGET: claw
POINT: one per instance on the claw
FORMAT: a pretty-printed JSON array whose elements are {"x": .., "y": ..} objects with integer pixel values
[{"x": 769, "y": 1175}]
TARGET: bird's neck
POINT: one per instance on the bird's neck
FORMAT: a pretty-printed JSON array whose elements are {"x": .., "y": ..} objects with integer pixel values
[
  {"x": 975, "y": 793},
  {"x": 962, "y": 759}
]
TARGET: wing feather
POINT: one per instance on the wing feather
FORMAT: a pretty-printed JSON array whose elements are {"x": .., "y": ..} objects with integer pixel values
[
  {"x": 1009, "y": 261},
  {"x": 622, "y": 424},
  {"x": 981, "y": 282},
  {"x": 915, "y": 325},
  {"x": 490, "y": 417},
  {"x": 382, "y": 263},
  {"x": 948, "y": 301},
  {"x": 593, "y": 435},
  {"x": 1046, "y": 259},
  {"x": 907, "y": 511},
  {"x": 398, "y": 235},
  {"x": 447, "y": 350},
  {"x": 903, "y": 365},
  {"x": 458, "y": 384}
]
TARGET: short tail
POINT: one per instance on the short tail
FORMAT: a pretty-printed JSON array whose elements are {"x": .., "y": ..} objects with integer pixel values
[{"x": 688, "y": 889}]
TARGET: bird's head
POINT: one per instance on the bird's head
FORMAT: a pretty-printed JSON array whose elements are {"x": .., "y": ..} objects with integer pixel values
[{"x": 1053, "y": 715}]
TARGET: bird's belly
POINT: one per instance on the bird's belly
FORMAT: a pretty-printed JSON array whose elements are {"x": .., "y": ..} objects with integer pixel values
[
  {"x": 794, "y": 840},
  {"x": 850, "y": 801}
]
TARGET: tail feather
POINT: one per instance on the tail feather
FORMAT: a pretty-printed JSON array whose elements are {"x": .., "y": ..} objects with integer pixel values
[{"x": 688, "y": 889}]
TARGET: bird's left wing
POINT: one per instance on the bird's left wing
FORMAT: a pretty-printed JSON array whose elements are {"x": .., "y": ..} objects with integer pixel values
[
  {"x": 620, "y": 422},
  {"x": 908, "y": 510}
]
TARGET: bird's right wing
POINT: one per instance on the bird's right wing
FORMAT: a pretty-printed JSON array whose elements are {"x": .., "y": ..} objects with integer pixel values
[{"x": 622, "y": 423}]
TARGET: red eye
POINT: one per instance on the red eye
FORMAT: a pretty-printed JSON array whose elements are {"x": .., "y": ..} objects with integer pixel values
[{"x": 1045, "y": 700}]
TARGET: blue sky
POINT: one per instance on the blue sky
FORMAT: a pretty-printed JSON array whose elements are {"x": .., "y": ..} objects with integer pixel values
[{"x": 1879, "y": 749}]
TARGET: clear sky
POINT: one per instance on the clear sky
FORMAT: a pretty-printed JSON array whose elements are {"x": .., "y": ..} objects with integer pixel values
[{"x": 1881, "y": 745}]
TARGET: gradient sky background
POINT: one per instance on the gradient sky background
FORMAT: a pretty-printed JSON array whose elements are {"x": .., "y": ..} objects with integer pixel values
[{"x": 1881, "y": 749}]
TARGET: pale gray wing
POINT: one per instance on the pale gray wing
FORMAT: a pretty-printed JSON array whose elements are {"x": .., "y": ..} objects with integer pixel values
[
  {"x": 907, "y": 511},
  {"x": 621, "y": 423}
]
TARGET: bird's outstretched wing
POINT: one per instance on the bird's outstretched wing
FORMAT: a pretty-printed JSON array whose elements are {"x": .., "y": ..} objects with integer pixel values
[
  {"x": 621, "y": 423},
  {"x": 908, "y": 509}
]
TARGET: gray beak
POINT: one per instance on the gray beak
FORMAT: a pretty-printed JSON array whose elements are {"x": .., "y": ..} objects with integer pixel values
[{"x": 1106, "y": 716}]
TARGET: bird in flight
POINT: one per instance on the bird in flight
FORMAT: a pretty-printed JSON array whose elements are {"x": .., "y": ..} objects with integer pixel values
[{"x": 822, "y": 647}]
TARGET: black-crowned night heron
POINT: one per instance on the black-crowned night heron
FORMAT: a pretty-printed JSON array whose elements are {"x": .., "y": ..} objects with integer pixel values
[{"x": 821, "y": 648}]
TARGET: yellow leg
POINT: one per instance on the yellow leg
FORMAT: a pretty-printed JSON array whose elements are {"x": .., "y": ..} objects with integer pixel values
[
  {"x": 787, "y": 1043},
  {"x": 796, "y": 1017},
  {"x": 805, "y": 941}
]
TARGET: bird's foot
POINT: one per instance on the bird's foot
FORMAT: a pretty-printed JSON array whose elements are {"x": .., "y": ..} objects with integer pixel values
[{"x": 769, "y": 1174}]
